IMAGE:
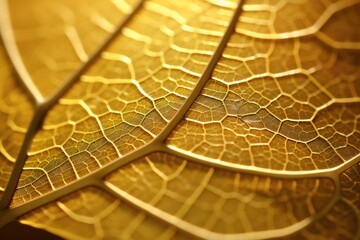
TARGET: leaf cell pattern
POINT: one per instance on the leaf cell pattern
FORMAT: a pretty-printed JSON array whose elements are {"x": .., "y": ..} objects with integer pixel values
[
  {"x": 16, "y": 110},
  {"x": 277, "y": 101},
  {"x": 126, "y": 98},
  {"x": 101, "y": 216},
  {"x": 225, "y": 202},
  {"x": 350, "y": 185},
  {"x": 198, "y": 119}
]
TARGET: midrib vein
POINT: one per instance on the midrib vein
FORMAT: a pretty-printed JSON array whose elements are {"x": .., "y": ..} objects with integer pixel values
[
  {"x": 92, "y": 178},
  {"x": 43, "y": 105},
  {"x": 96, "y": 178},
  {"x": 204, "y": 77}
]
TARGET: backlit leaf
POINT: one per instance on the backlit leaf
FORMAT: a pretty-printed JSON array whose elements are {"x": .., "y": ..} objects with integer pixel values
[
  {"x": 16, "y": 111},
  {"x": 181, "y": 119},
  {"x": 55, "y": 38}
]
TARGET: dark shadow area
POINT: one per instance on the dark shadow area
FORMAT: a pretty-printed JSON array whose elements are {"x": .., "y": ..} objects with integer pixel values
[{"x": 18, "y": 231}]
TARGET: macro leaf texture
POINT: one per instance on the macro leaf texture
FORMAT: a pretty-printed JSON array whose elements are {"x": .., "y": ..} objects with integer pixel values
[{"x": 193, "y": 119}]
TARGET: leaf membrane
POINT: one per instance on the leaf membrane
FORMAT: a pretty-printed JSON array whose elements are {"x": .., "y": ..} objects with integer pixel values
[
  {"x": 97, "y": 215},
  {"x": 126, "y": 98},
  {"x": 329, "y": 228},
  {"x": 134, "y": 147},
  {"x": 220, "y": 201},
  {"x": 16, "y": 111},
  {"x": 279, "y": 102},
  {"x": 78, "y": 28},
  {"x": 350, "y": 185}
]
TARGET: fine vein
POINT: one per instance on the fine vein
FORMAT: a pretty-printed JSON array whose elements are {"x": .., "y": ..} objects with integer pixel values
[
  {"x": 156, "y": 145},
  {"x": 42, "y": 106}
]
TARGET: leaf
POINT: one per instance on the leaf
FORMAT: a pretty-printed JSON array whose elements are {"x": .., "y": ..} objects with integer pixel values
[
  {"x": 77, "y": 29},
  {"x": 192, "y": 119},
  {"x": 15, "y": 115}
]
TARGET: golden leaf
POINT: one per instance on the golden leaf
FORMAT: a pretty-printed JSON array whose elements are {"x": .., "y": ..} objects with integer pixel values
[
  {"x": 15, "y": 115},
  {"x": 181, "y": 119}
]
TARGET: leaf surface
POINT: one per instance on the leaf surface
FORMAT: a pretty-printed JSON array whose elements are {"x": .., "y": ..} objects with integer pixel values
[
  {"x": 16, "y": 110},
  {"x": 181, "y": 120},
  {"x": 53, "y": 39},
  {"x": 125, "y": 99}
]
